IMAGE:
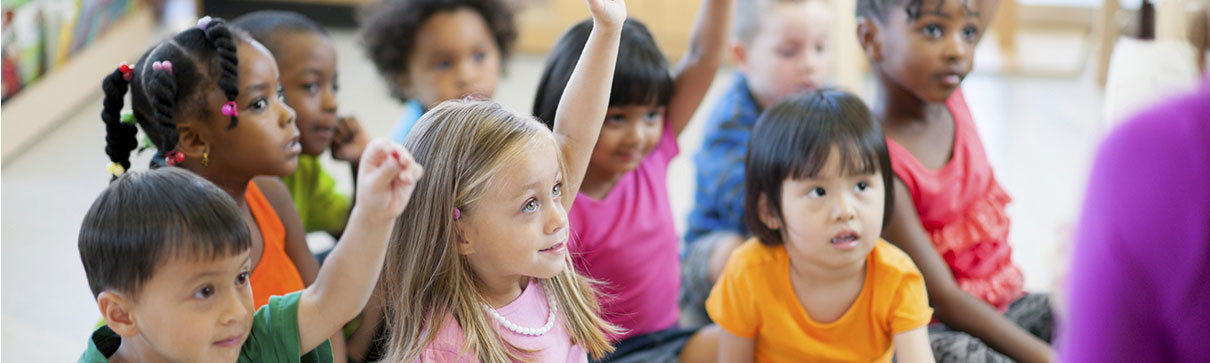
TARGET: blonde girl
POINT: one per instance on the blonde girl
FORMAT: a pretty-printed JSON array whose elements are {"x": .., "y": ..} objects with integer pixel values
[{"x": 478, "y": 268}]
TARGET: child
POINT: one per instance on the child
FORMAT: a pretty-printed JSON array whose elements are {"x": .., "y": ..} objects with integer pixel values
[
  {"x": 168, "y": 258},
  {"x": 816, "y": 283},
  {"x": 780, "y": 47},
  {"x": 307, "y": 62},
  {"x": 486, "y": 276},
  {"x": 208, "y": 101},
  {"x": 430, "y": 51},
  {"x": 625, "y": 184},
  {"x": 951, "y": 218}
]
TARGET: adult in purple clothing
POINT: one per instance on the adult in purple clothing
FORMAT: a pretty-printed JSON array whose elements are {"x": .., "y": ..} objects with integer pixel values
[{"x": 1139, "y": 286}]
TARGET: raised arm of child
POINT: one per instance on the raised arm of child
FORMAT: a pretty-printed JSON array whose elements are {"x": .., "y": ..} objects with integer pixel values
[
  {"x": 954, "y": 307},
  {"x": 386, "y": 179},
  {"x": 586, "y": 97},
  {"x": 696, "y": 70},
  {"x": 734, "y": 348},
  {"x": 912, "y": 346}
]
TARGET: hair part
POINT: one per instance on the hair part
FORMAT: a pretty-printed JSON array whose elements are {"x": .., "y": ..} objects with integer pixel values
[
  {"x": 267, "y": 25},
  {"x": 389, "y": 29},
  {"x": 463, "y": 145},
  {"x": 794, "y": 139},
  {"x": 641, "y": 77},
  {"x": 145, "y": 219},
  {"x": 200, "y": 59}
]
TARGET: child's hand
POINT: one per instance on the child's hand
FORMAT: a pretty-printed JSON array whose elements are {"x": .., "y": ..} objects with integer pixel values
[
  {"x": 349, "y": 140},
  {"x": 607, "y": 13},
  {"x": 386, "y": 177}
]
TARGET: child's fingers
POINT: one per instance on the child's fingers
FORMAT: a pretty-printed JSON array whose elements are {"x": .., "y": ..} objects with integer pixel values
[{"x": 376, "y": 152}]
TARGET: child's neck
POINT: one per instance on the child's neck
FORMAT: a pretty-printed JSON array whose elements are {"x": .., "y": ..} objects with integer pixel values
[
  {"x": 135, "y": 350},
  {"x": 502, "y": 290},
  {"x": 598, "y": 183},
  {"x": 898, "y": 106},
  {"x": 235, "y": 186},
  {"x": 817, "y": 275}
]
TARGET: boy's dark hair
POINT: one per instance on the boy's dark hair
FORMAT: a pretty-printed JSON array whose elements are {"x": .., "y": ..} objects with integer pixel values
[
  {"x": 144, "y": 219},
  {"x": 266, "y": 25},
  {"x": 200, "y": 58},
  {"x": 793, "y": 139},
  {"x": 879, "y": 9},
  {"x": 389, "y": 27},
  {"x": 641, "y": 76}
]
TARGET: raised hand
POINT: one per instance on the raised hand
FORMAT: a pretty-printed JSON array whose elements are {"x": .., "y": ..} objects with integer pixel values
[
  {"x": 349, "y": 140},
  {"x": 386, "y": 177},
  {"x": 608, "y": 13}
]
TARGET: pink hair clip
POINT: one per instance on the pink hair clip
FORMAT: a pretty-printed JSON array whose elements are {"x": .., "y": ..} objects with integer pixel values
[
  {"x": 173, "y": 158},
  {"x": 126, "y": 70},
  {"x": 162, "y": 66},
  {"x": 230, "y": 109},
  {"x": 457, "y": 214}
]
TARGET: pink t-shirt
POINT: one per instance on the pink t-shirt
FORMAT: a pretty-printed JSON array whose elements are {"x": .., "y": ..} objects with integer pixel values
[
  {"x": 628, "y": 241},
  {"x": 530, "y": 310}
]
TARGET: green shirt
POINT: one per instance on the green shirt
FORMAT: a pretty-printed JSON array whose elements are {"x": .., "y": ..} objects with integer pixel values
[
  {"x": 319, "y": 206},
  {"x": 274, "y": 337}
]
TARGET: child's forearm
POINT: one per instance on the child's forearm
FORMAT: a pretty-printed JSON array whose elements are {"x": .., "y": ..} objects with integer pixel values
[
  {"x": 963, "y": 312},
  {"x": 586, "y": 99},
  {"x": 696, "y": 70},
  {"x": 913, "y": 346}
]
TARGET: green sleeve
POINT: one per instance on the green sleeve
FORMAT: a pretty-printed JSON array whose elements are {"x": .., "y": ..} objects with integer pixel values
[
  {"x": 319, "y": 205},
  {"x": 274, "y": 336}
]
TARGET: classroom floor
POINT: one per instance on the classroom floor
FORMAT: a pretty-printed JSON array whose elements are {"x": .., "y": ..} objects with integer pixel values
[{"x": 1039, "y": 132}]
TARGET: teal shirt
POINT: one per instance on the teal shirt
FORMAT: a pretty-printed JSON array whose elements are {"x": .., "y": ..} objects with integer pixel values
[
  {"x": 274, "y": 337},
  {"x": 319, "y": 205}
]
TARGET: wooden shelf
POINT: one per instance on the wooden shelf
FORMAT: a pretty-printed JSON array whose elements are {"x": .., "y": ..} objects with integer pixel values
[{"x": 57, "y": 95}]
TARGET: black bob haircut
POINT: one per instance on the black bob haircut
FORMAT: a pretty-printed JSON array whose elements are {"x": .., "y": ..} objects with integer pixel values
[
  {"x": 145, "y": 219},
  {"x": 266, "y": 25},
  {"x": 641, "y": 76},
  {"x": 794, "y": 138}
]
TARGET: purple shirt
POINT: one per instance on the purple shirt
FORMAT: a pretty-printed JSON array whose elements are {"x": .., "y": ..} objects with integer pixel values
[
  {"x": 628, "y": 241},
  {"x": 1139, "y": 286}
]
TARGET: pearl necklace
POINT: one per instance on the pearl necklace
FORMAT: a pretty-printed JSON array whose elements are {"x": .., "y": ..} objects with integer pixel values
[{"x": 550, "y": 320}]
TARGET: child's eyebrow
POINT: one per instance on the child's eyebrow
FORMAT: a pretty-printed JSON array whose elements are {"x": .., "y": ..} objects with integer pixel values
[{"x": 258, "y": 87}]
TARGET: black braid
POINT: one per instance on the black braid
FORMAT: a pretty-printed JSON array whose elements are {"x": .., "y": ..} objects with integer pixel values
[
  {"x": 219, "y": 35},
  {"x": 120, "y": 138},
  {"x": 162, "y": 89}
]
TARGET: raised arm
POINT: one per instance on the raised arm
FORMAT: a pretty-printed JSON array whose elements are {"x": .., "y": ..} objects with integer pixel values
[
  {"x": 586, "y": 98},
  {"x": 695, "y": 72},
  {"x": 344, "y": 285},
  {"x": 954, "y": 307}
]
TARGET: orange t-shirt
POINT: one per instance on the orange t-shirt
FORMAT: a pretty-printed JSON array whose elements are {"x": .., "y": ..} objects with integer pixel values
[
  {"x": 275, "y": 274},
  {"x": 754, "y": 299}
]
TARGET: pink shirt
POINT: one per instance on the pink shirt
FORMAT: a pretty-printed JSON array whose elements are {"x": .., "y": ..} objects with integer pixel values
[
  {"x": 962, "y": 207},
  {"x": 530, "y": 310},
  {"x": 628, "y": 241}
]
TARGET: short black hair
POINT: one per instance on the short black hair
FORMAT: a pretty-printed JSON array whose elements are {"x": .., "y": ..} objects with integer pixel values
[
  {"x": 641, "y": 76},
  {"x": 144, "y": 219},
  {"x": 793, "y": 139},
  {"x": 389, "y": 27},
  {"x": 879, "y": 9},
  {"x": 265, "y": 25}
]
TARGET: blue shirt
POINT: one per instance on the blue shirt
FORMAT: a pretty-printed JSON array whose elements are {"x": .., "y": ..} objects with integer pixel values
[
  {"x": 412, "y": 110},
  {"x": 719, "y": 198}
]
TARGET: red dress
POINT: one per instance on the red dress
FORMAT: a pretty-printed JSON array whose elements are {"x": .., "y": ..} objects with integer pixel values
[{"x": 962, "y": 208}]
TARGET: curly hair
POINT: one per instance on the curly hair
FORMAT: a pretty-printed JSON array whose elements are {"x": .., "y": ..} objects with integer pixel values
[{"x": 389, "y": 27}]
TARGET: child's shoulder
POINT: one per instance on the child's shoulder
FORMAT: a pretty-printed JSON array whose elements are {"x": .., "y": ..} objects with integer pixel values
[
  {"x": 892, "y": 261},
  {"x": 754, "y": 255}
]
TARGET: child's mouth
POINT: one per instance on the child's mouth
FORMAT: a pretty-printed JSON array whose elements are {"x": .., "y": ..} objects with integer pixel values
[
  {"x": 846, "y": 240},
  {"x": 558, "y": 247}
]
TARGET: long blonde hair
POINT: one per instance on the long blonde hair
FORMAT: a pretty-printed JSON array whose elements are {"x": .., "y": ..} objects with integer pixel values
[{"x": 462, "y": 144}]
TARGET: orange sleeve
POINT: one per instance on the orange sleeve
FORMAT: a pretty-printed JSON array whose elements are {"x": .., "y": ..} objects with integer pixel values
[
  {"x": 732, "y": 301},
  {"x": 910, "y": 303}
]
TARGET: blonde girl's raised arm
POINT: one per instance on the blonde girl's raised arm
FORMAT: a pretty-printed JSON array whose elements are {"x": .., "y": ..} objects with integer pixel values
[
  {"x": 696, "y": 70},
  {"x": 586, "y": 97}
]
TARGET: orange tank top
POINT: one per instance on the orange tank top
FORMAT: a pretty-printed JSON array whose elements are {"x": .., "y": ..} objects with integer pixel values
[{"x": 275, "y": 274}]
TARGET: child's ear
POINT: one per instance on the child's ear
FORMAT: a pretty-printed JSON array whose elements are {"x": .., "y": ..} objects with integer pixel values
[
  {"x": 464, "y": 246},
  {"x": 115, "y": 309},
  {"x": 191, "y": 139},
  {"x": 766, "y": 214},
  {"x": 870, "y": 39},
  {"x": 404, "y": 84},
  {"x": 739, "y": 53}
]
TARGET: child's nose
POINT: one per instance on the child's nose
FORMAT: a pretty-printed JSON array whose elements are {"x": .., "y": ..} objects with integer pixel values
[
  {"x": 956, "y": 48},
  {"x": 287, "y": 114},
  {"x": 234, "y": 309},
  {"x": 843, "y": 211},
  {"x": 556, "y": 219},
  {"x": 329, "y": 102}
]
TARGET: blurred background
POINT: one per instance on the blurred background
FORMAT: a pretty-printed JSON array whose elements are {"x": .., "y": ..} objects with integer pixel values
[{"x": 1050, "y": 78}]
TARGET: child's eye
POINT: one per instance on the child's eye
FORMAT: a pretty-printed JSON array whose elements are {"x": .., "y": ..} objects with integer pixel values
[
  {"x": 530, "y": 206},
  {"x": 931, "y": 31},
  {"x": 443, "y": 65},
  {"x": 204, "y": 292},
  {"x": 816, "y": 192},
  {"x": 970, "y": 33},
  {"x": 861, "y": 186},
  {"x": 335, "y": 87},
  {"x": 260, "y": 104},
  {"x": 479, "y": 57},
  {"x": 241, "y": 279},
  {"x": 820, "y": 48},
  {"x": 617, "y": 119},
  {"x": 311, "y": 88},
  {"x": 787, "y": 52},
  {"x": 557, "y": 190},
  {"x": 653, "y": 115}
]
